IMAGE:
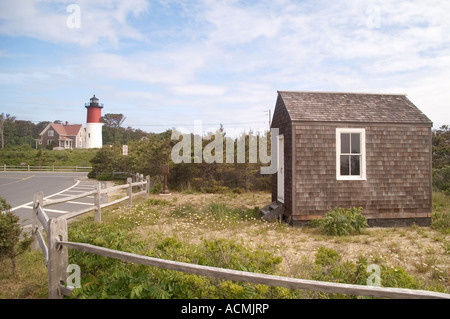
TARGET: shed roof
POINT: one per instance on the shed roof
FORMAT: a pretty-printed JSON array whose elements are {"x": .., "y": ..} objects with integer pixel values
[{"x": 351, "y": 107}]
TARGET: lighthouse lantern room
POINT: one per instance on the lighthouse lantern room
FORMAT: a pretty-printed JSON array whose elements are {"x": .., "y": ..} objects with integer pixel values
[{"x": 93, "y": 125}]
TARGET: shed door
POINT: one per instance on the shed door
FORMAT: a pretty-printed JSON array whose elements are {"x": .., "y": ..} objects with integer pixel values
[{"x": 280, "y": 173}]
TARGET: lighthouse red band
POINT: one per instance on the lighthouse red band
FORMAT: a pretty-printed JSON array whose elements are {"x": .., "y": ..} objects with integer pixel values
[{"x": 94, "y": 114}]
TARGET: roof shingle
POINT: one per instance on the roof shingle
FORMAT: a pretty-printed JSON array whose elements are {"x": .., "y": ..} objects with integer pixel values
[{"x": 351, "y": 107}]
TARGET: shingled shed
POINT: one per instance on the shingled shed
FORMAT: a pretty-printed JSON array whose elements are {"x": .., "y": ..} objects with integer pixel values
[{"x": 352, "y": 150}]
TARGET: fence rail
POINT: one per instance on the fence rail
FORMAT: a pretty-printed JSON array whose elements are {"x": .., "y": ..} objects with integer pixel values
[
  {"x": 53, "y": 168},
  {"x": 255, "y": 278},
  {"x": 56, "y": 255}
]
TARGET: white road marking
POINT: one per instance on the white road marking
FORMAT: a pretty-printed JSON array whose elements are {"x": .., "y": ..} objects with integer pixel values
[{"x": 50, "y": 196}]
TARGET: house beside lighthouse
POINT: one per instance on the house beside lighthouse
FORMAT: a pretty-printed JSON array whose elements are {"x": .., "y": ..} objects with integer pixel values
[
  {"x": 70, "y": 136},
  {"x": 93, "y": 125}
]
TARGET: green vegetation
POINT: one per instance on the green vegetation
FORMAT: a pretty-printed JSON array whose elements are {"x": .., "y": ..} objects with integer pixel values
[
  {"x": 441, "y": 215},
  {"x": 330, "y": 266},
  {"x": 107, "y": 278},
  {"x": 25, "y": 155},
  {"x": 342, "y": 222},
  {"x": 441, "y": 159},
  {"x": 11, "y": 244},
  {"x": 223, "y": 230},
  {"x": 206, "y": 234},
  {"x": 148, "y": 155}
]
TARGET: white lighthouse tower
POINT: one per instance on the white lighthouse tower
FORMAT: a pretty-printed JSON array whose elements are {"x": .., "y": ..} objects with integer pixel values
[{"x": 94, "y": 126}]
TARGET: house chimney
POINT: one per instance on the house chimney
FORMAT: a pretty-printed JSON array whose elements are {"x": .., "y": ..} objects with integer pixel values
[{"x": 67, "y": 123}]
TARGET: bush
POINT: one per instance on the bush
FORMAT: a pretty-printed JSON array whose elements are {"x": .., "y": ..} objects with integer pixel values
[
  {"x": 329, "y": 266},
  {"x": 342, "y": 222},
  {"x": 109, "y": 278},
  {"x": 441, "y": 179},
  {"x": 10, "y": 232},
  {"x": 441, "y": 221}
]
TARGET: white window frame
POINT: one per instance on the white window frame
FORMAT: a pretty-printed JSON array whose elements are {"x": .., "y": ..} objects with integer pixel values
[
  {"x": 51, "y": 133},
  {"x": 362, "y": 176}
]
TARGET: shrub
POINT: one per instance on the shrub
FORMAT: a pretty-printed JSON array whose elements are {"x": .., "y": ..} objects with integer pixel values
[
  {"x": 342, "y": 222},
  {"x": 109, "y": 278},
  {"x": 10, "y": 233},
  {"x": 327, "y": 256},
  {"x": 440, "y": 221},
  {"x": 441, "y": 179},
  {"x": 329, "y": 266}
]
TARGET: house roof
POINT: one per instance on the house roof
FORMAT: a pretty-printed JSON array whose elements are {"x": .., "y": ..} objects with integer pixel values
[
  {"x": 64, "y": 130},
  {"x": 351, "y": 107}
]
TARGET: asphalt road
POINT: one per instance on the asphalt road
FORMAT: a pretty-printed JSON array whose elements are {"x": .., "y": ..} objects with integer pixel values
[{"x": 18, "y": 189}]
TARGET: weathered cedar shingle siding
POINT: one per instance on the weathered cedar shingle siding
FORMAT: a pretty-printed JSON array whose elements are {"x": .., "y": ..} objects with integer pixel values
[
  {"x": 397, "y": 165},
  {"x": 398, "y": 156}
]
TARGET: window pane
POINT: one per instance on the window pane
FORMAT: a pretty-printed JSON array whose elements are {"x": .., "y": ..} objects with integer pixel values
[
  {"x": 356, "y": 165},
  {"x": 356, "y": 143},
  {"x": 345, "y": 143},
  {"x": 345, "y": 165}
]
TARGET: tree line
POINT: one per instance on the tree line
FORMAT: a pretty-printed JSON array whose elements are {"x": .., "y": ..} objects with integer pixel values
[
  {"x": 14, "y": 132},
  {"x": 148, "y": 155}
]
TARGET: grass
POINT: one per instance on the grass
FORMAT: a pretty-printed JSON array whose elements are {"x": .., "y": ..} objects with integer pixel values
[
  {"x": 32, "y": 282},
  {"x": 28, "y": 156},
  {"x": 224, "y": 230}
]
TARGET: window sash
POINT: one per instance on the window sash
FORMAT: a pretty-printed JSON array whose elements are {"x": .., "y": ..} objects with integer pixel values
[{"x": 350, "y": 154}]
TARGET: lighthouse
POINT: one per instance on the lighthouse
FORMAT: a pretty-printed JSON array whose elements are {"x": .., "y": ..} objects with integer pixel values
[{"x": 94, "y": 126}]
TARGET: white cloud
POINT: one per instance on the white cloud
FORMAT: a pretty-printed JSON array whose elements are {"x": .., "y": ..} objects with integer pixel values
[
  {"x": 199, "y": 89},
  {"x": 228, "y": 58},
  {"x": 47, "y": 20},
  {"x": 234, "y": 24}
]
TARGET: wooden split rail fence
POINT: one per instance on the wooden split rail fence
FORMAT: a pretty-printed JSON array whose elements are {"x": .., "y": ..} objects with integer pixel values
[{"x": 55, "y": 250}]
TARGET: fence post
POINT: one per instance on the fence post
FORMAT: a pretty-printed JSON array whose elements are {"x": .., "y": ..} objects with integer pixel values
[
  {"x": 38, "y": 199},
  {"x": 58, "y": 257},
  {"x": 98, "y": 202},
  {"x": 141, "y": 179},
  {"x": 130, "y": 191},
  {"x": 147, "y": 188}
]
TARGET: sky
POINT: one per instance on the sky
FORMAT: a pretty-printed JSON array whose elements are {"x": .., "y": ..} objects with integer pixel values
[{"x": 167, "y": 63}]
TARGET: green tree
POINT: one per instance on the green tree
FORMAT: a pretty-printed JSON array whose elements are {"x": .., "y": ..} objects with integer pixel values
[
  {"x": 112, "y": 123},
  {"x": 441, "y": 147}
]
